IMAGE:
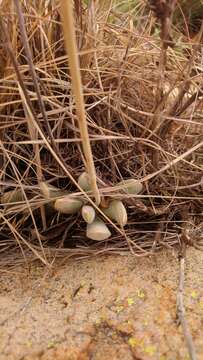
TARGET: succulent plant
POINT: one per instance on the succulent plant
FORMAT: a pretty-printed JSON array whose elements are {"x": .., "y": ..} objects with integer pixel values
[
  {"x": 68, "y": 204},
  {"x": 84, "y": 181},
  {"x": 117, "y": 211},
  {"x": 131, "y": 186},
  {"x": 98, "y": 230},
  {"x": 51, "y": 192},
  {"x": 88, "y": 213}
]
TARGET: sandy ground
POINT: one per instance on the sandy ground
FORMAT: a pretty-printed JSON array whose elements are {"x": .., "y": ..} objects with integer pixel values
[{"x": 101, "y": 308}]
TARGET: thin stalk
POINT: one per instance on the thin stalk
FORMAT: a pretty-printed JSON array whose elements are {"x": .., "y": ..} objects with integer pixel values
[
  {"x": 32, "y": 130},
  {"x": 181, "y": 312},
  {"x": 70, "y": 43}
]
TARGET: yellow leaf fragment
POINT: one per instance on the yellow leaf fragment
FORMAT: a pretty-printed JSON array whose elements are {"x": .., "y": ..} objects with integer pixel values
[
  {"x": 130, "y": 301},
  {"x": 150, "y": 350},
  {"x": 132, "y": 341},
  {"x": 119, "y": 308},
  {"x": 141, "y": 294},
  {"x": 201, "y": 304},
  {"x": 194, "y": 294}
]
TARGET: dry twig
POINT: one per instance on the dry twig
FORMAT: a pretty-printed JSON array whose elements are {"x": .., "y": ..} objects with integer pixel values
[{"x": 181, "y": 308}]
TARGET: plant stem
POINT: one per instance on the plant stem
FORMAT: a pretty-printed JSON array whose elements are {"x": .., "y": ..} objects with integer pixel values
[{"x": 70, "y": 42}]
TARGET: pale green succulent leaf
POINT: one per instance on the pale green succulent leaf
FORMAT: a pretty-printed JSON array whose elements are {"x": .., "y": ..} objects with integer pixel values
[
  {"x": 68, "y": 205},
  {"x": 88, "y": 213},
  {"x": 98, "y": 230}
]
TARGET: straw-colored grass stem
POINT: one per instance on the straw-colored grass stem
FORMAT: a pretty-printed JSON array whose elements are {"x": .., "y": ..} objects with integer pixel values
[{"x": 70, "y": 42}]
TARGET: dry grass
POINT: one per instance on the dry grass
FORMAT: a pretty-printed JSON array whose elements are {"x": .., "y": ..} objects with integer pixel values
[{"x": 143, "y": 103}]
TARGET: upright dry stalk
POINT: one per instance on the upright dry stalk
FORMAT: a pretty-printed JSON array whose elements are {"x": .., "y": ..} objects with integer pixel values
[
  {"x": 32, "y": 130},
  {"x": 70, "y": 42},
  {"x": 181, "y": 311},
  {"x": 163, "y": 11}
]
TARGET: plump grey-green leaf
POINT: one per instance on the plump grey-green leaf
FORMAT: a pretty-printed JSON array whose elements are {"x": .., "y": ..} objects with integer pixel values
[
  {"x": 84, "y": 181},
  {"x": 117, "y": 211},
  {"x": 131, "y": 186},
  {"x": 68, "y": 205},
  {"x": 98, "y": 230},
  {"x": 88, "y": 213}
]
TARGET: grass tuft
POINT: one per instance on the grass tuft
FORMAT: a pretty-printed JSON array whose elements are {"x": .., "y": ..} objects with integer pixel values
[{"x": 136, "y": 112}]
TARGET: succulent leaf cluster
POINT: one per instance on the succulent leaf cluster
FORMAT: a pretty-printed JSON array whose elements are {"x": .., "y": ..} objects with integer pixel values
[{"x": 96, "y": 229}]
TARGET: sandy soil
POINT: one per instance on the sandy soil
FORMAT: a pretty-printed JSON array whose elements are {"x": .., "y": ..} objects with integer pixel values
[{"x": 101, "y": 308}]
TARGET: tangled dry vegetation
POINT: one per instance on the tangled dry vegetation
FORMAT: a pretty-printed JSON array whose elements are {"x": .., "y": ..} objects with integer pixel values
[{"x": 143, "y": 87}]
